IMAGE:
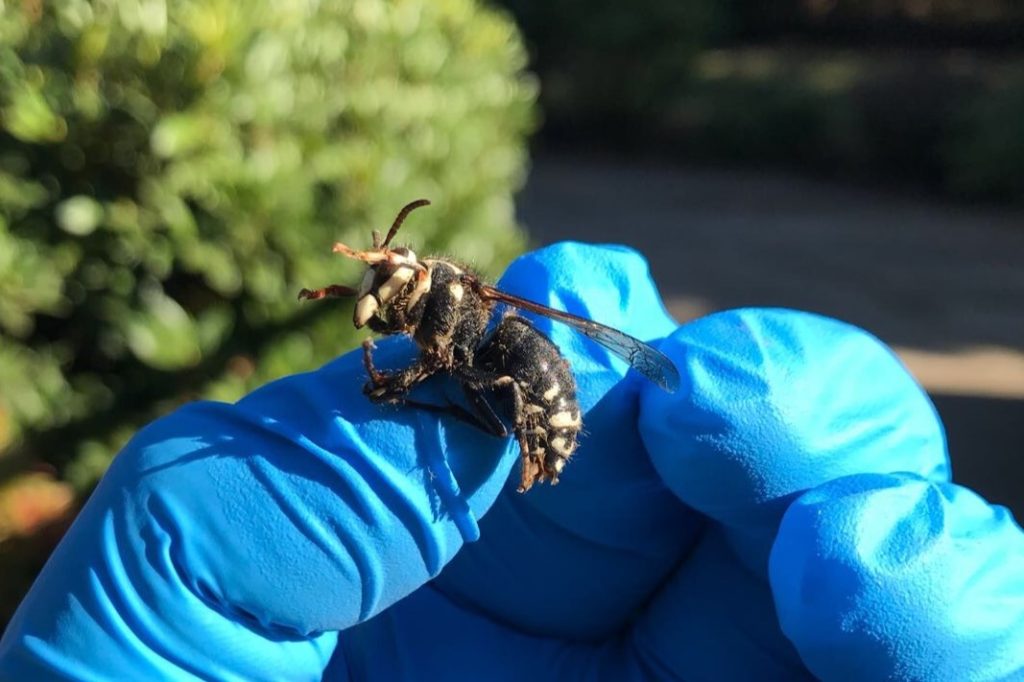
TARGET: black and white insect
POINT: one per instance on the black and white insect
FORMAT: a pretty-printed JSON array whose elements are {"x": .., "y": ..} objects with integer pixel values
[{"x": 511, "y": 370}]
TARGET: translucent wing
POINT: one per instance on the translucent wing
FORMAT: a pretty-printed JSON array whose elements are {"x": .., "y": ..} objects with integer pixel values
[{"x": 650, "y": 362}]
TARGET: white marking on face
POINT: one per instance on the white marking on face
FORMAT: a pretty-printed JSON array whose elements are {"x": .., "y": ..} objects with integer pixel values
[
  {"x": 457, "y": 291},
  {"x": 395, "y": 283},
  {"x": 550, "y": 394},
  {"x": 365, "y": 309},
  {"x": 367, "y": 283},
  {"x": 562, "y": 420}
]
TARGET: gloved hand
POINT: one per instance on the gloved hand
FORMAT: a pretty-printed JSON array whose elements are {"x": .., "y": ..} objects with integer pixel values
[{"x": 785, "y": 514}]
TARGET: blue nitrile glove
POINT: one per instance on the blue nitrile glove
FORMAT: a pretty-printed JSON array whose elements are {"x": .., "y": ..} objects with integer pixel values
[{"x": 820, "y": 537}]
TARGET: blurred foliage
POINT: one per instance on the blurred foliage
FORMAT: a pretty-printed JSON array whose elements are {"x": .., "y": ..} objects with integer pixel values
[
  {"x": 859, "y": 113},
  {"x": 35, "y": 510},
  {"x": 172, "y": 172},
  {"x": 603, "y": 60},
  {"x": 836, "y": 86},
  {"x": 30, "y": 501},
  {"x": 791, "y": 14},
  {"x": 985, "y": 154},
  {"x": 748, "y": 108},
  {"x": 839, "y": 111}
]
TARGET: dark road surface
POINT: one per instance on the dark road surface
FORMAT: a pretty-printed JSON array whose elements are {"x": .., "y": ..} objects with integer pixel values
[{"x": 942, "y": 283}]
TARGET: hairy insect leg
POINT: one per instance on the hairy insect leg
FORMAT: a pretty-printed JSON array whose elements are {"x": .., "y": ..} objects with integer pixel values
[
  {"x": 476, "y": 382},
  {"x": 376, "y": 378},
  {"x": 332, "y": 291},
  {"x": 488, "y": 419},
  {"x": 391, "y": 387},
  {"x": 531, "y": 459},
  {"x": 453, "y": 410}
]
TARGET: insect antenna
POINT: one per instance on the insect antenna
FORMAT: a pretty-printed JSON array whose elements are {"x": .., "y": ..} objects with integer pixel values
[{"x": 409, "y": 208}]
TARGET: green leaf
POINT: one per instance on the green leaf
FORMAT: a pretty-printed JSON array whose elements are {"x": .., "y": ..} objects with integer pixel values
[
  {"x": 163, "y": 335},
  {"x": 79, "y": 215},
  {"x": 30, "y": 118}
]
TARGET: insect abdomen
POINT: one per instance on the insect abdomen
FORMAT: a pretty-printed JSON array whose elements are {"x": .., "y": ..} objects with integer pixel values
[{"x": 550, "y": 419}]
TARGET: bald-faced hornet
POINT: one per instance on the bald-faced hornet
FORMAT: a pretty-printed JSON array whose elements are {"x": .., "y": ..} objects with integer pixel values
[{"x": 446, "y": 309}]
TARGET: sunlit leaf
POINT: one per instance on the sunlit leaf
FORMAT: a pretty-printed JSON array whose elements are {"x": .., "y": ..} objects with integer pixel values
[{"x": 79, "y": 215}]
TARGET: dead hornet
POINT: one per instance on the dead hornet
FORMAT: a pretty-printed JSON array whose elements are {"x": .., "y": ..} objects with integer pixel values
[{"x": 447, "y": 309}]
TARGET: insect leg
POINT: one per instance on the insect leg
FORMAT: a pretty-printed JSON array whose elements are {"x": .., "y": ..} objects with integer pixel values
[
  {"x": 531, "y": 462},
  {"x": 453, "y": 410},
  {"x": 475, "y": 381},
  {"x": 332, "y": 291},
  {"x": 392, "y": 386},
  {"x": 376, "y": 378},
  {"x": 487, "y": 418}
]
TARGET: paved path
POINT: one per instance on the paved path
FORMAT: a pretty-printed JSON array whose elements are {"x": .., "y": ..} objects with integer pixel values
[{"x": 942, "y": 283}]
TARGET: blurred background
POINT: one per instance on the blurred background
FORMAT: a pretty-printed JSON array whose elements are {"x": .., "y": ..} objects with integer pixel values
[{"x": 172, "y": 172}]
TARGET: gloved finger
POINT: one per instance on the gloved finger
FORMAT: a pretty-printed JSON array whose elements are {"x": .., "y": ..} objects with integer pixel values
[
  {"x": 775, "y": 402},
  {"x": 428, "y": 637},
  {"x": 922, "y": 586},
  {"x": 580, "y": 558},
  {"x": 715, "y": 621},
  {"x": 226, "y": 539},
  {"x": 894, "y": 577}
]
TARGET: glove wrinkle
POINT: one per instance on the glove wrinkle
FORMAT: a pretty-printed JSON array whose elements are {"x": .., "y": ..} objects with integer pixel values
[{"x": 121, "y": 608}]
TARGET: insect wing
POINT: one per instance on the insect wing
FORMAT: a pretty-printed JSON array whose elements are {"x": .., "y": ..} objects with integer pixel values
[{"x": 650, "y": 362}]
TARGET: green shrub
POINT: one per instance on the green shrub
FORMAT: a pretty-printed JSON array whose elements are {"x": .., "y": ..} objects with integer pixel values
[{"x": 172, "y": 172}]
